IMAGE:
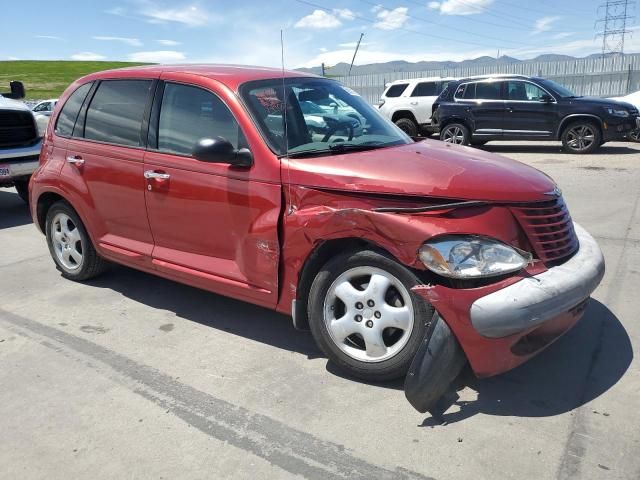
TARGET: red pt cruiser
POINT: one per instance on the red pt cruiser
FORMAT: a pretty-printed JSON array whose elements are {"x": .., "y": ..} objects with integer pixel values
[{"x": 291, "y": 192}]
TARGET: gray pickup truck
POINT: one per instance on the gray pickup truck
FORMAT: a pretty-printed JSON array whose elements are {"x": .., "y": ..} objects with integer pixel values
[{"x": 20, "y": 141}]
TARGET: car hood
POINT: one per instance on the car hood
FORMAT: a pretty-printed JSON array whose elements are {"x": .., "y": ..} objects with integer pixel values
[
  {"x": 602, "y": 101},
  {"x": 10, "y": 104},
  {"x": 429, "y": 168}
]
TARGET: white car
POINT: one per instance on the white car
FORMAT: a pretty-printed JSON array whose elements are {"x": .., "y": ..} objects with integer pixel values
[
  {"x": 45, "y": 107},
  {"x": 409, "y": 103},
  {"x": 633, "y": 99}
]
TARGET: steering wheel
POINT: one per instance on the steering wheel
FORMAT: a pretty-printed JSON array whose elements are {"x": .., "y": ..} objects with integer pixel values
[{"x": 334, "y": 125}]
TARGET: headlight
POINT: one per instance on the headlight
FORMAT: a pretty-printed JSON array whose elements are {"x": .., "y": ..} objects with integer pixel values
[
  {"x": 617, "y": 111},
  {"x": 471, "y": 257}
]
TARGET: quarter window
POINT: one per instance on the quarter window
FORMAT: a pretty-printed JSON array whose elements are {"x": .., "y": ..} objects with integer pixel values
[
  {"x": 396, "y": 90},
  {"x": 488, "y": 90},
  {"x": 67, "y": 118},
  {"x": 426, "y": 89},
  {"x": 116, "y": 112},
  {"x": 189, "y": 114}
]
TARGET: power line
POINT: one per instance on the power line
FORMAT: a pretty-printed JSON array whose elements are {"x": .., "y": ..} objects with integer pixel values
[{"x": 616, "y": 15}]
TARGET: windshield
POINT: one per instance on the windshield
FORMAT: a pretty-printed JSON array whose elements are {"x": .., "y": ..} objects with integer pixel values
[
  {"x": 322, "y": 117},
  {"x": 557, "y": 88}
]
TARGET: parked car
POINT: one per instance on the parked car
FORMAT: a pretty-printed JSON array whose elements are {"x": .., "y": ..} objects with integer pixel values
[
  {"x": 20, "y": 141},
  {"x": 399, "y": 256},
  {"x": 45, "y": 107},
  {"x": 475, "y": 111},
  {"x": 633, "y": 99},
  {"x": 409, "y": 103}
]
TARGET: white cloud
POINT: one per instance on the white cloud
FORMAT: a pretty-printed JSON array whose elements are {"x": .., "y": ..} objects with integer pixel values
[
  {"x": 191, "y": 15},
  {"x": 87, "y": 56},
  {"x": 354, "y": 44},
  {"x": 344, "y": 13},
  {"x": 544, "y": 24},
  {"x": 13, "y": 58},
  {"x": 460, "y": 7},
  {"x": 159, "y": 56},
  {"x": 323, "y": 49},
  {"x": 49, "y": 37},
  {"x": 561, "y": 35},
  {"x": 318, "y": 19},
  {"x": 168, "y": 43},
  {"x": 134, "y": 42},
  {"x": 391, "y": 19},
  {"x": 119, "y": 11}
]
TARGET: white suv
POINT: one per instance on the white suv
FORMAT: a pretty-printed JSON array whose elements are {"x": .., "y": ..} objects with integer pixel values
[{"x": 408, "y": 103}]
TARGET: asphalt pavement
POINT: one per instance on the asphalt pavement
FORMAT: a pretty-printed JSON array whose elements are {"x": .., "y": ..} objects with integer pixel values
[{"x": 133, "y": 376}]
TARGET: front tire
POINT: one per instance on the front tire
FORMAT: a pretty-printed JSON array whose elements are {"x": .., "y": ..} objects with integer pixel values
[
  {"x": 70, "y": 245},
  {"x": 22, "y": 187},
  {"x": 581, "y": 137},
  {"x": 364, "y": 317},
  {"x": 634, "y": 136},
  {"x": 455, "y": 133}
]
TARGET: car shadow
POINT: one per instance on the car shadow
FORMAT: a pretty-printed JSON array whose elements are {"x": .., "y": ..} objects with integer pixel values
[
  {"x": 579, "y": 367},
  {"x": 13, "y": 211},
  {"x": 533, "y": 147},
  {"x": 206, "y": 308}
]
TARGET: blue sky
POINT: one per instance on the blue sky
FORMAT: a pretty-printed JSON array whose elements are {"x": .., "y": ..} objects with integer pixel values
[{"x": 248, "y": 31}]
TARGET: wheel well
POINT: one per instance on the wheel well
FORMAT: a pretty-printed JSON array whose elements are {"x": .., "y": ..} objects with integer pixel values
[
  {"x": 44, "y": 204},
  {"x": 403, "y": 114},
  {"x": 456, "y": 120},
  {"x": 569, "y": 120},
  {"x": 318, "y": 257}
]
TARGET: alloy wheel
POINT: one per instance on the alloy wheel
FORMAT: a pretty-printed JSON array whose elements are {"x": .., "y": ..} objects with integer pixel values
[
  {"x": 368, "y": 314},
  {"x": 635, "y": 135},
  {"x": 580, "y": 137},
  {"x": 67, "y": 242},
  {"x": 453, "y": 135}
]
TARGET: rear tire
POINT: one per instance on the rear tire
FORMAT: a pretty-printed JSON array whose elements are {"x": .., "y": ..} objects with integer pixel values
[
  {"x": 408, "y": 126},
  {"x": 581, "y": 137},
  {"x": 22, "y": 187},
  {"x": 70, "y": 245},
  {"x": 455, "y": 133},
  {"x": 364, "y": 317}
]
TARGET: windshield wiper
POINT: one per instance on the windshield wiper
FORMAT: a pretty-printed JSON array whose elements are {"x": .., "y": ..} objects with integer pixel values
[{"x": 335, "y": 148}]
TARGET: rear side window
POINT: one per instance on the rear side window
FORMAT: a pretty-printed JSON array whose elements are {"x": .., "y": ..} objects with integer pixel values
[
  {"x": 69, "y": 114},
  {"x": 116, "y": 112},
  {"x": 426, "y": 89},
  {"x": 488, "y": 90},
  {"x": 396, "y": 90},
  {"x": 189, "y": 114}
]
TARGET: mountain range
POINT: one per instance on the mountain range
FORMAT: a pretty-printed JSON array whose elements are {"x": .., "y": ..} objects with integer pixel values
[{"x": 402, "y": 66}]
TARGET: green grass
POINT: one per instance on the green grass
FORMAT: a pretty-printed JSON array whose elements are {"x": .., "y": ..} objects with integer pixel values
[{"x": 48, "y": 79}]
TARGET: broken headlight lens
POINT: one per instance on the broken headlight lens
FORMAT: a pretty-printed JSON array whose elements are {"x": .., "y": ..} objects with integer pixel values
[{"x": 471, "y": 257}]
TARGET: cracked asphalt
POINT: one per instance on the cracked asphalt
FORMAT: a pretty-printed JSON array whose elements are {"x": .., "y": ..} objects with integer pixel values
[{"x": 133, "y": 376}]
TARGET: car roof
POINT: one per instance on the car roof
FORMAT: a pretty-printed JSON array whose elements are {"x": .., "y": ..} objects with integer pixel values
[
  {"x": 497, "y": 76},
  {"x": 421, "y": 79},
  {"x": 230, "y": 75}
]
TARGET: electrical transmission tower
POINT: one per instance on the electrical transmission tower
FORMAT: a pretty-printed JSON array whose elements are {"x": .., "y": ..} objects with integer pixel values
[{"x": 615, "y": 17}]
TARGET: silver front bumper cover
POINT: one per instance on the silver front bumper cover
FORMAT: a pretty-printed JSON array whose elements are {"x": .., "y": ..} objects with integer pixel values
[
  {"x": 534, "y": 300},
  {"x": 14, "y": 153}
]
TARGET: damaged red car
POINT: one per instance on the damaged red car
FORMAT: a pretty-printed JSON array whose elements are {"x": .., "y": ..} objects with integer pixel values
[{"x": 289, "y": 191}]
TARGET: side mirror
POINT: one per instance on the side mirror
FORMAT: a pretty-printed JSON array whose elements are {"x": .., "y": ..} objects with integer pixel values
[
  {"x": 546, "y": 98},
  {"x": 17, "y": 91},
  {"x": 220, "y": 150}
]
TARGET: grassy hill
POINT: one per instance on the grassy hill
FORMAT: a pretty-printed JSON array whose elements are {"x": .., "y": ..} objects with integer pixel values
[{"x": 48, "y": 79}]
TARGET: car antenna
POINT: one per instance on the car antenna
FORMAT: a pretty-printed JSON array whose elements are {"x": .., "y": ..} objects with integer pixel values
[{"x": 284, "y": 118}]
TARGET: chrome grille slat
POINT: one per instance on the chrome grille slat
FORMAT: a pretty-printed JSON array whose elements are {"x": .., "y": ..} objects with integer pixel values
[{"x": 549, "y": 227}]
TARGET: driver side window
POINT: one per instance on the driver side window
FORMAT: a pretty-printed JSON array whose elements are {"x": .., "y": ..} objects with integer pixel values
[{"x": 189, "y": 114}]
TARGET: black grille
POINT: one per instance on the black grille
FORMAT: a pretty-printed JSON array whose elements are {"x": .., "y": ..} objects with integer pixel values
[{"x": 16, "y": 128}]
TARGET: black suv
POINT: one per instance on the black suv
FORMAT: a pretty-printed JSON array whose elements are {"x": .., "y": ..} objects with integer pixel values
[{"x": 476, "y": 110}]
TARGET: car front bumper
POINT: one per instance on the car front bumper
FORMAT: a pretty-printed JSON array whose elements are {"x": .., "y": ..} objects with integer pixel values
[
  {"x": 18, "y": 162},
  {"x": 501, "y": 325},
  {"x": 619, "y": 129}
]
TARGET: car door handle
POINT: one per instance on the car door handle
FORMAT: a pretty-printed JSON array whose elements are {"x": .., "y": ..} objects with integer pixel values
[
  {"x": 414, "y": 103},
  {"x": 150, "y": 174},
  {"x": 75, "y": 160}
]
